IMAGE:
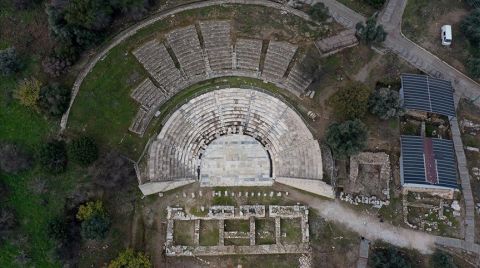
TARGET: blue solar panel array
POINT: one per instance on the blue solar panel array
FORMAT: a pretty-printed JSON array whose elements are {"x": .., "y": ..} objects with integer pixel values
[
  {"x": 425, "y": 93},
  {"x": 414, "y": 164}
]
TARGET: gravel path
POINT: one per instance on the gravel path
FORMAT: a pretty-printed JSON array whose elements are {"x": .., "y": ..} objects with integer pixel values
[{"x": 366, "y": 225}]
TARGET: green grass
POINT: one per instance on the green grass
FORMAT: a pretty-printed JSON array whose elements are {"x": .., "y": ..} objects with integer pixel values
[
  {"x": 292, "y": 229},
  {"x": 359, "y": 6},
  {"x": 237, "y": 225},
  {"x": 262, "y": 227},
  {"x": 183, "y": 233},
  {"x": 209, "y": 233}
]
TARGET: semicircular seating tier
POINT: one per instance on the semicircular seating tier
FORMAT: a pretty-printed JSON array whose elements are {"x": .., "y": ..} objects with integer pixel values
[
  {"x": 174, "y": 157},
  {"x": 207, "y": 50}
]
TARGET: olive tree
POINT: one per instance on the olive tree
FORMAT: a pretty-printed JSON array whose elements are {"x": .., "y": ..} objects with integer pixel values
[
  {"x": 347, "y": 138},
  {"x": 385, "y": 103}
]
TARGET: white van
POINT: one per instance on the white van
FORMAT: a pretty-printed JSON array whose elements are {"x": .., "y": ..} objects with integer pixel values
[{"x": 446, "y": 35}]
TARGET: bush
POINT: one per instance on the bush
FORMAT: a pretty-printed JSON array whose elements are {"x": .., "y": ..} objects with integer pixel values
[
  {"x": 9, "y": 63},
  {"x": 346, "y": 139},
  {"x": 129, "y": 258},
  {"x": 58, "y": 229},
  {"x": 28, "y": 92},
  {"x": 95, "y": 227},
  {"x": 385, "y": 103},
  {"x": 54, "y": 100},
  {"x": 90, "y": 209},
  {"x": 389, "y": 257},
  {"x": 370, "y": 33},
  {"x": 351, "y": 102},
  {"x": 318, "y": 12},
  {"x": 470, "y": 26},
  {"x": 53, "y": 156},
  {"x": 56, "y": 65},
  {"x": 112, "y": 171},
  {"x": 83, "y": 150},
  {"x": 473, "y": 3},
  {"x": 14, "y": 159},
  {"x": 473, "y": 66},
  {"x": 7, "y": 222},
  {"x": 442, "y": 260},
  {"x": 378, "y": 4}
]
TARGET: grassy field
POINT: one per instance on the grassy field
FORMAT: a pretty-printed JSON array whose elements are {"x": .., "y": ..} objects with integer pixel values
[
  {"x": 359, "y": 6},
  {"x": 103, "y": 101},
  {"x": 421, "y": 23}
]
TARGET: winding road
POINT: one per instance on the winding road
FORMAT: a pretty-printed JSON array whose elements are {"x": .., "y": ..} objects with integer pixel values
[{"x": 391, "y": 18}]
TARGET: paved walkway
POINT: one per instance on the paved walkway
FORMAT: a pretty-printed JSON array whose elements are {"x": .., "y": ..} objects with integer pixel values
[
  {"x": 417, "y": 56},
  {"x": 391, "y": 19}
]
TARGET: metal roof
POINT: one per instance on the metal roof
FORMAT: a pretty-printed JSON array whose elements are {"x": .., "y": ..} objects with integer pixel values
[
  {"x": 413, "y": 161},
  {"x": 425, "y": 93}
]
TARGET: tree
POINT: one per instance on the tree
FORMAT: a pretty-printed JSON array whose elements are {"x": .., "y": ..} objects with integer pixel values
[
  {"x": 347, "y": 138},
  {"x": 318, "y": 12},
  {"x": 442, "y": 260},
  {"x": 370, "y": 33},
  {"x": 473, "y": 66},
  {"x": 389, "y": 257},
  {"x": 470, "y": 26},
  {"x": 351, "y": 102},
  {"x": 7, "y": 222},
  {"x": 53, "y": 156},
  {"x": 378, "y": 4},
  {"x": 385, "y": 103},
  {"x": 473, "y": 3},
  {"x": 13, "y": 158},
  {"x": 112, "y": 171},
  {"x": 58, "y": 229},
  {"x": 54, "y": 100},
  {"x": 28, "y": 92},
  {"x": 95, "y": 227},
  {"x": 84, "y": 150},
  {"x": 90, "y": 209},
  {"x": 9, "y": 62},
  {"x": 130, "y": 259}
]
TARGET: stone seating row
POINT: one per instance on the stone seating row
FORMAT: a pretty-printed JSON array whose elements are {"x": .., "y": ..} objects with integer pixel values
[
  {"x": 301, "y": 161},
  {"x": 278, "y": 58},
  {"x": 217, "y": 39},
  {"x": 155, "y": 59},
  {"x": 190, "y": 129},
  {"x": 148, "y": 95},
  {"x": 195, "y": 62},
  {"x": 248, "y": 53},
  {"x": 186, "y": 46}
]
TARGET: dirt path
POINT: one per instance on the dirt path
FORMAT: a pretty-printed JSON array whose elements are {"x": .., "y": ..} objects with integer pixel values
[
  {"x": 366, "y": 225},
  {"x": 362, "y": 75}
]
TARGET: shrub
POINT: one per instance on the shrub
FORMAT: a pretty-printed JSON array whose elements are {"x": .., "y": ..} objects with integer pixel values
[
  {"x": 83, "y": 150},
  {"x": 470, "y": 26},
  {"x": 112, "y": 170},
  {"x": 7, "y": 222},
  {"x": 9, "y": 62},
  {"x": 14, "y": 159},
  {"x": 54, "y": 100},
  {"x": 389, "y": 257},
  {"x": 473, "y": 66},
  {"x": 378, "y": 4},
  {"x": 370, "y": 33},
  {"x": 346, "y": 139},
  {"x": 385, "y": 103},
  {"x": 129, "y": 258},
  {"x": 25, "y": 4},
  {"x": 58, "y": 229},
  {"x": 473, "y": 3},
  {"x": 318, "y": 12},
  {"x": 442, "y": 260},
  {"x": 90, "y": 209},
  {"x": 53, "y": 156},
  {"x": 351, "y": 102},
  {"x": 56, "y": 65},
  {"x": 28, "y": 92},
  {"x": 95, "y": 227}
]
